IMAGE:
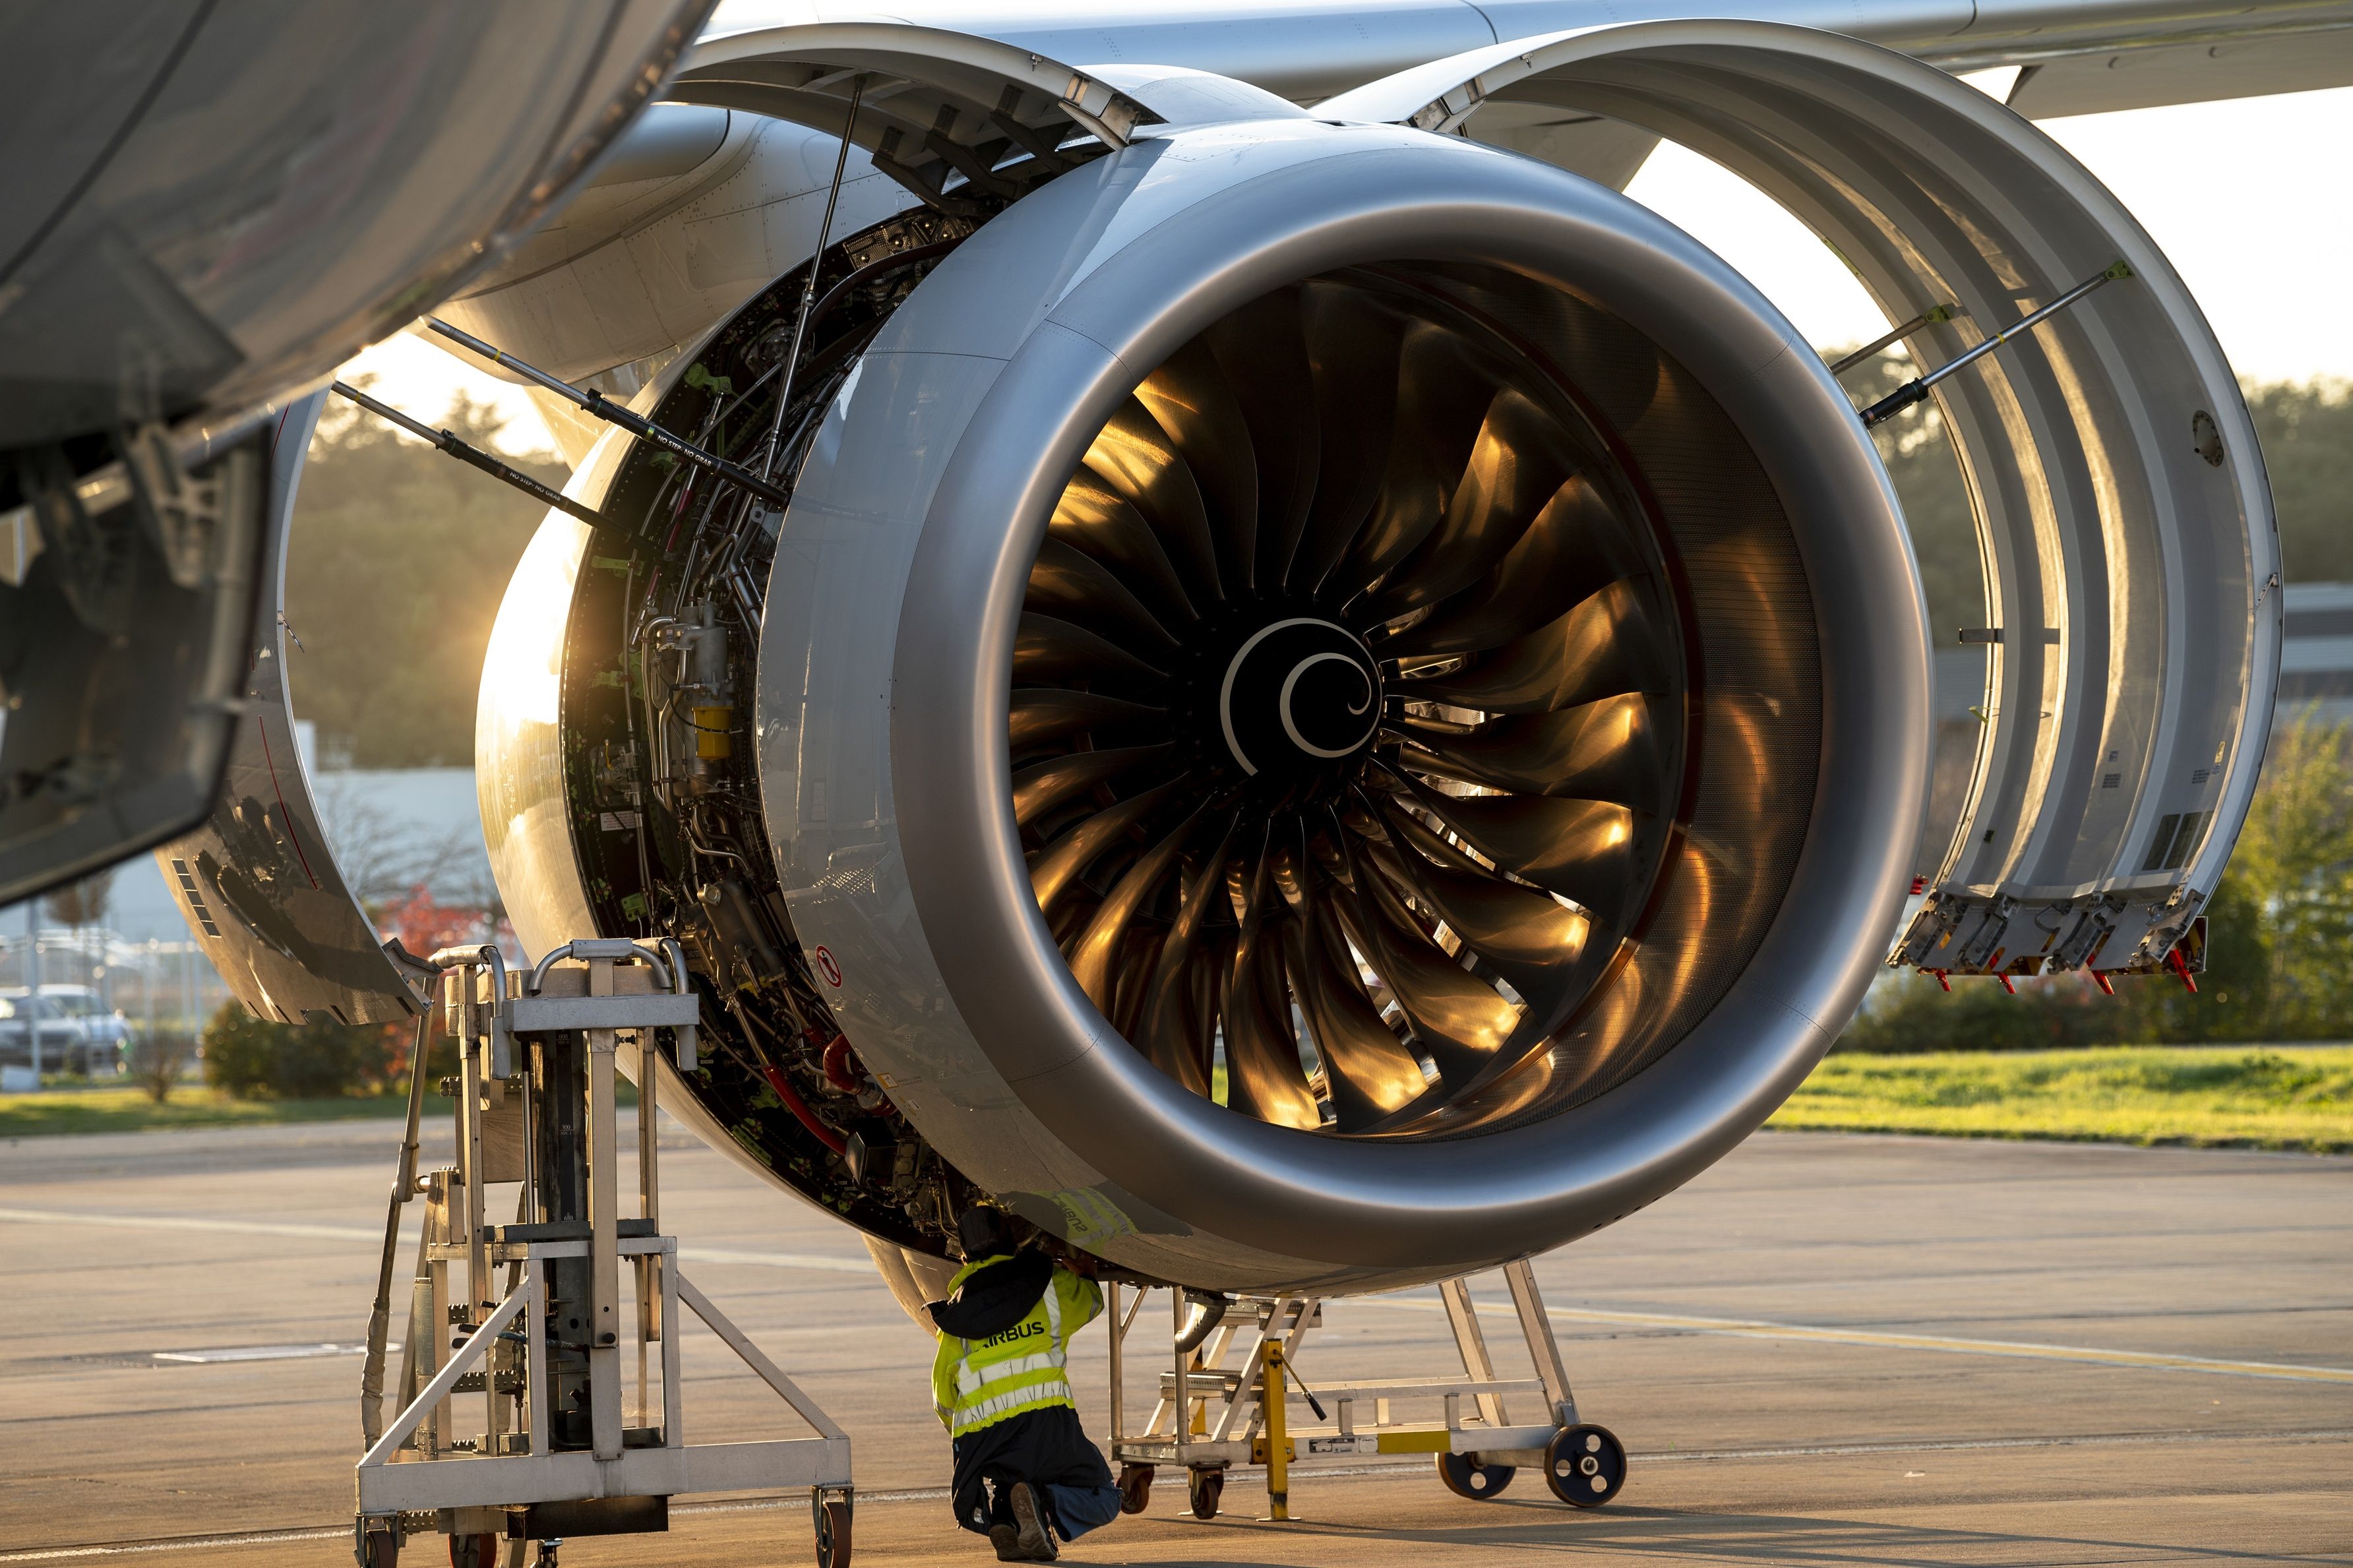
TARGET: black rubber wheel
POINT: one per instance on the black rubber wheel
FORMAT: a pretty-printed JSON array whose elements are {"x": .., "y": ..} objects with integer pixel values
[
  {"x": 833, "y": 1517},
  {"x": 1466, "y": 1477},
  {"x": 379, "y": 1548},
  {"x": 1202, "y": 1490},
  {"x": 1585, "y": 1466},
  {"x": 474, "y": 1551},
  {"x": 1135, "y": 1487}
]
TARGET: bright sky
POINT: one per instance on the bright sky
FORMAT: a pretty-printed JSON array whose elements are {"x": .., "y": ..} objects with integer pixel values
[{"x": 2227, "y": 190}]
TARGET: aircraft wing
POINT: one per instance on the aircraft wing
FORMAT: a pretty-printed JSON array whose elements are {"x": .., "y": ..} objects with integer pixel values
[{"x": 2077, "y": 58}]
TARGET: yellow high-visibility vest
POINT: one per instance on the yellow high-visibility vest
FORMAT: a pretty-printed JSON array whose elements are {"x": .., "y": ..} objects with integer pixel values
[{"x": 979, "y": 1383}]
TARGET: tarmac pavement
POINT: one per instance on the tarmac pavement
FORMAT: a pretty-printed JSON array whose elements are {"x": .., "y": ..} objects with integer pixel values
[{"x": 1828, "y": 1349}]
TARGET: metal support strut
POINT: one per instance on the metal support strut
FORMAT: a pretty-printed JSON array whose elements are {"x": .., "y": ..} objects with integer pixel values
[
  {"x": 1916, "y": 390},
  {"x": 1212, "y": 1413},
  {"x": 1926, "y": 318},
  {"x": 809, "y": 287},
  {"x": 568, "y": 1442},
  {"x": 473, "y": 456},
  {"x": 597, "y": 403}
]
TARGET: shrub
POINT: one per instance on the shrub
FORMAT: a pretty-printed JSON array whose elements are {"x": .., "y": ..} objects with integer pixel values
[
  {"x": 155, "y": 1059},
  {"x": 1912, "y": 1013},
  {"x": 257, "y": 1059},
  {"x": 2280, "y": 936}
]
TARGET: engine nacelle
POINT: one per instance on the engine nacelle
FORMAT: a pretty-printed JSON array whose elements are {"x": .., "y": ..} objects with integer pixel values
[
  {"x": 1334, "y": 706},
  {"x": 1289, "y": 649}
]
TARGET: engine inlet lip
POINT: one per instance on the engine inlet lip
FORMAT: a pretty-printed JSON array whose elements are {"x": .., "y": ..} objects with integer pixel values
[{"x": 1397, "y": 199}]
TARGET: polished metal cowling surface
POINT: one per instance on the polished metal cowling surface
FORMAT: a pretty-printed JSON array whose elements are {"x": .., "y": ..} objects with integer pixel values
[{"x": 1298, "y": 694}]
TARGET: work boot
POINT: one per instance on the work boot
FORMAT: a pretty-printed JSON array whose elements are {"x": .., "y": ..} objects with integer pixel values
[
  {"x": 1007, "y": 1541},
  {"x": 1035, "y": 1540}
]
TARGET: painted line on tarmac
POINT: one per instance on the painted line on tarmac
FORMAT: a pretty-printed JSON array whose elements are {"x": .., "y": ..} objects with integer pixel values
[
  {"x": 1251, "y": 1472},
  {"x": 1738, "y": 1327},
  {"x": 111, "y": 1219},
  {"x": 1760, "y": 1329},
  {"x": 115, "y": 1219}
]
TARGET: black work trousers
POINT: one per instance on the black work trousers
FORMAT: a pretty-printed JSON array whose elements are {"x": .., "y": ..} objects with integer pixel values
[{"x": 1049, "y": 1449}]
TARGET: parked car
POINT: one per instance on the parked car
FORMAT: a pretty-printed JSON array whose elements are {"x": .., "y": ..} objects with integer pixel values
[{"x": 77, "y": 1030}]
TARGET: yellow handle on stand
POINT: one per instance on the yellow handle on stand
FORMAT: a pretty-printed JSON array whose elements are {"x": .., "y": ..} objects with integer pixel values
[{"x": 1278, "y": 1447}]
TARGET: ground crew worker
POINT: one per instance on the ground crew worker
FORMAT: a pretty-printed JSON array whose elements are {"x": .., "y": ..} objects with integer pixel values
[{"x": 1024, "y": 1468}]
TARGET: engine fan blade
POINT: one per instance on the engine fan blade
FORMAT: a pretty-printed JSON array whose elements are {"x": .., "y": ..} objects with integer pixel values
[
  {"x": 1052, "y": 652},
  {"x": 1518, "y": 463},
  {"x": 1093, "y": 519},
  {"x": 1352, "y": 351},
  {"x": 1043, "y": 714},
  {"x": 1370, "y": 1073},
  {"x": 1071, "y": 585},
  {"x": 1093, "y": 959},
  {"x": 1137, "y": 957},
  {"x": 1261, "y": 351},
  {"x": 1609, "y": 750},
  {"x": 1577, "y": 545},
  {"x": 1070, "y": 856},
  {"x": 1537, "y": 944},
  {"x": 1460, "y": 1018},
  {"x": 1194, "y": 403},
  {"x": 1444, "y": 391},
  {"x": 1609, "y": 645},
  {"x": 1581, "y": 850},
  {"x": 1263, "y": 1075},
  {"x": 1039, "y": 789},
  {"x": 1135, "y": 460},
  {"x": 1213, "y": 972},
  {"x": 1173, "y": 1027}
]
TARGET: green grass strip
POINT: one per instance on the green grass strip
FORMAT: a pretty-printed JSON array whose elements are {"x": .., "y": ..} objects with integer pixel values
[
  {"x": 2241, "y": 1097},
  {"x": 2247, "y": 1097},
  {"x": 123, "y": 1109}
]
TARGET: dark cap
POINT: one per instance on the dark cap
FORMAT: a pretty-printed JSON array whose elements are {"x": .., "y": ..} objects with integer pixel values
[{"x": 980, "y": 1231}]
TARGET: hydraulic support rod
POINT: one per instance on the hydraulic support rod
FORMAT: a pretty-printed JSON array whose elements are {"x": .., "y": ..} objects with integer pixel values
[
  {"x": 612, "y": 412},
  {"x": 1916, "y": 391},
  {"x": 809, "y": 289},
  {"x": 474, "y": 456},
  {"x": 1941, "y": 313}
]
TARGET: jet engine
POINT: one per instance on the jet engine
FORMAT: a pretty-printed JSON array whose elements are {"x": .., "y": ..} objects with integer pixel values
[{"x": 1334, "y": 705}]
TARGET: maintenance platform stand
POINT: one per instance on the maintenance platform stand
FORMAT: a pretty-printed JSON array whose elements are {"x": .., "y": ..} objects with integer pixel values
[
  {"x": 1212, "y": 1413},
  {"x": 547, "y": 1317}
]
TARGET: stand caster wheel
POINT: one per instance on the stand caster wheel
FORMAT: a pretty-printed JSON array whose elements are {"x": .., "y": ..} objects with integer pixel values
[
  {"x": 1465, "y": 1478},
  {"x": 1135, "y": 1487},
  {"x": 474, "y": 1551},
  {"x": 1202, "y": 1490},
  {"x": 1585, "y": 1466},
  {"x": 378, "y": 1545},
  {"x": 832, "y": 1516}
]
